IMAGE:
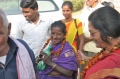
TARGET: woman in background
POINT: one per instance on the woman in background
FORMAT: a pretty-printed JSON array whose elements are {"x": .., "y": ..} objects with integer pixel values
[{"x": 73, "y": 26}]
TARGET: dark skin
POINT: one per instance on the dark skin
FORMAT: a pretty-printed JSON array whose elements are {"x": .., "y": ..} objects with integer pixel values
[
  {"x": 88, "y": 39},
  {"x": 67, "y": 13},
  {"x": 57, "y": 36},
  {"x": 57, "y": 69},
  {"x": 31, "y": 14}
]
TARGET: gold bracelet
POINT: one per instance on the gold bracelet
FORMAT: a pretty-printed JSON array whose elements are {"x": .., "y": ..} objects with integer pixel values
[{"x": 54, "y": 66}]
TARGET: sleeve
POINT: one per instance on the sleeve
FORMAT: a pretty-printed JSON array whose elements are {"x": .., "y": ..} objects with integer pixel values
[
  {"x": 79, "y": 26},
  {"x": 32, "y": 56},
  {"x": 19, "y": 32}
]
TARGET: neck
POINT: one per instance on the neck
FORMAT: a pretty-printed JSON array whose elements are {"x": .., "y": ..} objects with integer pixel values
[
  {"x": 68, "y": 19},
  {"x": 36, "y": 19},
  {"x": 113, "y": 42}
]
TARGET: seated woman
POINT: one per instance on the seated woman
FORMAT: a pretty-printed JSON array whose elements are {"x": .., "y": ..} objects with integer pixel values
[
  {"x": 60, "y": 61},
  {"x": 104, "y": 27}
]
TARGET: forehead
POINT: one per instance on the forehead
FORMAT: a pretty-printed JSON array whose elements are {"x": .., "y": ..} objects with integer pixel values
[
  {"x": 90, "y": 26},
  {"x": 66, "y": 6},
  {"x": 58, "y": 29},
  {"x": 26, "y": 9}
]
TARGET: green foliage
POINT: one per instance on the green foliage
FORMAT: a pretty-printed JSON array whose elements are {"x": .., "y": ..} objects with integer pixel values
[{"x": 77, "y": 4}]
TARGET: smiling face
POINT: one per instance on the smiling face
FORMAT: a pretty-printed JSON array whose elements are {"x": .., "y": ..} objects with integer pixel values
[
  {"x": 66, "y": 11},
  {"x": 95, "y": 34},
  {"x": 29, "y": 14},
  {"x": 56, "y": 35}
]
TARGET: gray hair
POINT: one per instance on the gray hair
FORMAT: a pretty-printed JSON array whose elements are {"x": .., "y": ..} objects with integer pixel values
[{"x": 5, "y": 20}]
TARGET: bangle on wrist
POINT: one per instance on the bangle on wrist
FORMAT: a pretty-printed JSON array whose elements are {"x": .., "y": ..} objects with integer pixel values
[{"x": 54, "y": 66}]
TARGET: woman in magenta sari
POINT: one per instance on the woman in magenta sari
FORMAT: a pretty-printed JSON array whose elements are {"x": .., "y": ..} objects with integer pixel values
[
  {"x": 104, "y": 27},
  {"x": 58, "y": 56}
]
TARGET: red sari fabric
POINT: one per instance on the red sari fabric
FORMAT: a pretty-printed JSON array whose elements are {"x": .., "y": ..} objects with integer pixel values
[{"x": 107, "y": 68}]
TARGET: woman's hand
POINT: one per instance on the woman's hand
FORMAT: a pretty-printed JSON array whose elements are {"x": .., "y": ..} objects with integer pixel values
[
  {"x": 80, "y": 56},
  {"x": 46, "y": 58}
]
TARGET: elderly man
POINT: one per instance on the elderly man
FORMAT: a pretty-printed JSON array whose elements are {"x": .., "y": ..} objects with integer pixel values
[{"x": 17, "y": 60}]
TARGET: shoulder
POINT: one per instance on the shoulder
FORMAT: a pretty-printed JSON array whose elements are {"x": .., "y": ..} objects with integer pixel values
[
  {"x": 79, "y": 23},
  {"x": 28, "y": 49},
  {"x": 114, "y": 57},
  {"x": 22, "y": 21},
  {"x": 48, "y": 20},
  {"x": 78, "y": 20},
  {"x": 21, "y": 24},
  {"x": 68, "y": 46}
]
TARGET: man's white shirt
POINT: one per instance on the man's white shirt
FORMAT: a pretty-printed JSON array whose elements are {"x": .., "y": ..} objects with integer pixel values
[{"x": 34, "y": 35}]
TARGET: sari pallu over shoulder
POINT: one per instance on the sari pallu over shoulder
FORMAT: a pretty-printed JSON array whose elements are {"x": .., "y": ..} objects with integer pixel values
[
  {"x": 108, "y": 68},
  {"x": 73, "y": 32}
]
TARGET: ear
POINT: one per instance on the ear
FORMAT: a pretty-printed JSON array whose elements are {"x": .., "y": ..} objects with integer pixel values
[
  {"x": 9, "y": 28},
  {"x": 36, "y": 9}
]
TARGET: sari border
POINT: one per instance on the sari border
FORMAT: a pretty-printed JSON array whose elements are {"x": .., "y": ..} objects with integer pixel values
[{"x": 115, "y": 72}]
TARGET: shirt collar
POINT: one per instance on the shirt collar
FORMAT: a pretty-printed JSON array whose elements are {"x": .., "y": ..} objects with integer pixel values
[
  {"x": 93, "y": 9},
  {"x": 41, "y": 19}
]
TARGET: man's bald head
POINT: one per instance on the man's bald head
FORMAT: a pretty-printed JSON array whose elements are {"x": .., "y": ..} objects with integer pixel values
[{"x": 4, "y": 18}]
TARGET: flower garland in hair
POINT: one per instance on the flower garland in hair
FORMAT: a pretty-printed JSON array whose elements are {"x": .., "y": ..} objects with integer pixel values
[{"x": 96, "y": 58}]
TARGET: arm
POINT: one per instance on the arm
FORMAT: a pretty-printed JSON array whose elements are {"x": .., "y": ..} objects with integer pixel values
[
  {"x": 80, "y": 56},
  {"x": 80, "y": 34},
  {"x": 61, "y": 70},
  {"x": 61, "y": 67},
  {"x": 19, "y": 32},
  {"x": 81, "y": 44},
  {"x": 88, "y": 39}
]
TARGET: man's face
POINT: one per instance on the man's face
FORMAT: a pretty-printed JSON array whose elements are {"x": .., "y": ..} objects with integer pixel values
[
  {"x": 4, "y": 33},
  {"x": 90, "y": 2},
  {"x": 29, "y": 13}
]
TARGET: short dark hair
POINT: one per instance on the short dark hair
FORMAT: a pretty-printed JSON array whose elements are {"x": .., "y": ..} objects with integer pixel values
[
  {"x": 110, "y": 4},
  {"x": 29, "y": 4},
  {"x": 59, "y": 24},
  {"x": 107, "y": 21},
  {"x": 69, "y": 3}
]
